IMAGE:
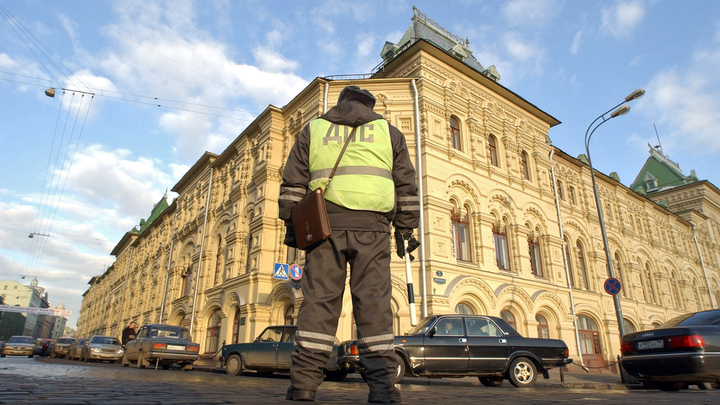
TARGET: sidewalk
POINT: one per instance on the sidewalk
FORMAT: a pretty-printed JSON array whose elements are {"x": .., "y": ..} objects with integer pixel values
[{"x": 574, "y": 378}]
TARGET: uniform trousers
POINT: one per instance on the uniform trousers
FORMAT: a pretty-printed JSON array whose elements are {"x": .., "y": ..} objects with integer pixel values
[{"x": 323, "y": 284}]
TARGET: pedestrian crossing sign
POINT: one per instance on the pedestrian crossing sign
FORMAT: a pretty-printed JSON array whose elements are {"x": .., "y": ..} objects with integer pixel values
[{"x": 281, "y": 271}]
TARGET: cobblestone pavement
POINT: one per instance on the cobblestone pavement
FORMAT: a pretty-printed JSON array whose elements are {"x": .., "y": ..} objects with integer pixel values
[{"x": 55, "y": 381}]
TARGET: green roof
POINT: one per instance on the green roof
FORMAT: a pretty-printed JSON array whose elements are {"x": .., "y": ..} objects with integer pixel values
[
  {"x": 660, "y": 173},
  {"x": 158, "y": 209}
]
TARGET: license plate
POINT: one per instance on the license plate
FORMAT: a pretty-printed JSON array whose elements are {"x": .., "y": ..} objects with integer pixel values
[
  {"x": 651, "y": 344},
  {"x": 175, "y": 347}
]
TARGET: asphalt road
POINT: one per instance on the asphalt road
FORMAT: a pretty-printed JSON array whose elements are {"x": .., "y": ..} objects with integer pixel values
[{"x": 58, "y": 381}]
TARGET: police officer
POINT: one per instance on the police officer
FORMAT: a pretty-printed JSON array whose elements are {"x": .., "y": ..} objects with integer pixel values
[{"x": 373, "y": 187}]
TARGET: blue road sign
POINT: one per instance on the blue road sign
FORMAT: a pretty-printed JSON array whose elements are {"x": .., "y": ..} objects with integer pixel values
[
  {"x": 281, "y": 271},
  {"x": 612, "y": 286},
  {"x": 296, "y": 272}
]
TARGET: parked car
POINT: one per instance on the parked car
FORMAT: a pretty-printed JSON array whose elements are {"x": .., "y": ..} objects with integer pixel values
[
  {"x": 683, "y": 351},
  {"x": 469, "y": 345},
  {"x": 18, "y": 346},
  {"x": 271, "y": 352},
  {"x": 75, "y": 349},
  {"x": 61, "y": 346},
  {"x": 103, "y": 348},
  {"x": 42, "y": 346},
  {"x": 162, "y": 345}
]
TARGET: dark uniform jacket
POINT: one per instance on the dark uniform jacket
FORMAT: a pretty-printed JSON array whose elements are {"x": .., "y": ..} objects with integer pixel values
[{"x": 296, "y": 177}]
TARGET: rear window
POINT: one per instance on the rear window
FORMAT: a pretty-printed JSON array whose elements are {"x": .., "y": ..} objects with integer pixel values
[
  {"x": 169, "y": 332},
  {"x": 66, "y": 340},
  {"x": 20, "y": 339},
  {"x": 105, "y": 340},
  {"x": 696, "y": 319}
]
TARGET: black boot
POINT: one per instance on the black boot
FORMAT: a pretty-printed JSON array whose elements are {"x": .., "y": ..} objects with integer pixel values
[
  {"x": 300, "y": 395},
  {"x": 385, "y": 397}
]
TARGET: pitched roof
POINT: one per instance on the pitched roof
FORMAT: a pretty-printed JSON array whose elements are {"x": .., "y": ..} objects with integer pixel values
[{"x": 660, "y": 173}]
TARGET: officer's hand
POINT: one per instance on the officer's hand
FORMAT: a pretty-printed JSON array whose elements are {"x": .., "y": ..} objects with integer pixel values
[
  {"x": 290, "y": 236},
  {"x": 404, "y": 234}
]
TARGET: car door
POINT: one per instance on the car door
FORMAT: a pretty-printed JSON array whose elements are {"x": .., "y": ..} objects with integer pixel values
[
  {"x": 263, "y": 352},
  {"x": 286, "y": 348},
  {"x": 446, "y": 347},
  {"x": 487, "y": 346},
  {"x": 133, "y": 346}
]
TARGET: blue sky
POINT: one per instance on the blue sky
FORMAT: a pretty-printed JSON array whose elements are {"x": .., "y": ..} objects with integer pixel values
[{"x": 85, "y": 171}]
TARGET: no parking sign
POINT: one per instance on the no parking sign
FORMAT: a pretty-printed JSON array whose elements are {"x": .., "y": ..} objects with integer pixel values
[{"x": 296, "y": 272}]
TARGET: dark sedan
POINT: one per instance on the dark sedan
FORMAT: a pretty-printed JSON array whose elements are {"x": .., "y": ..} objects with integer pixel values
[
  {"x": 271, "y": 352},
  {"x": 163, "y": 345},
  {"x": 683, "y": 351},
  {"x": 469, "y": 345}
]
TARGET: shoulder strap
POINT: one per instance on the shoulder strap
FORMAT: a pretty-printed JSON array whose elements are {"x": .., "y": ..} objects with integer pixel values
[{"x": 342, "y": 152}]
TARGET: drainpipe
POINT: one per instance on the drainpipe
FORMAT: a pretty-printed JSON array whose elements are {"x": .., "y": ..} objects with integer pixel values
[
  {"x": 327, "y": 87},
  {"x": 421, "y": 230},
  {"x": 567, "y": 269},
  {"x": 122, "y": 303},
  {"x": 202, "y": 247},
  {"x": 712, "y": 299},
  {"x": 167, "y": 274}
]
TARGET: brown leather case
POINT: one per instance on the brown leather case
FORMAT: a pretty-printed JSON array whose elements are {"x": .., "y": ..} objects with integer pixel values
[{"x": 310, "y": 220}]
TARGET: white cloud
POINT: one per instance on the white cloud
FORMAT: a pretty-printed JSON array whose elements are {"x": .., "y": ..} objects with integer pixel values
[
  {"x": 576, "y": 42},
  {"x": 622, "y": 18},
  {"x": 523, "y": 13}
]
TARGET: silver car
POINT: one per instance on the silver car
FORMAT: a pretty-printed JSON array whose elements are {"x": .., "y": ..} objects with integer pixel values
[
  {"x": 101, "y": 348},
  {"x": 18, "y": 346},
  {"x": 61, "y": 347}
]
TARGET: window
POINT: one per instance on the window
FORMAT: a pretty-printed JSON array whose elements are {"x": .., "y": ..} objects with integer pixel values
[
  {"x": 619, "y": 274},
  {"x": 461, "y": 234},
  {"x": 508, "y": 317},
  {"x": 524, "y": 168},
  {"x": 481, "y": 327},
  {"x": 292, "y": 255},
  {"x": 571, "y": 195},
  {"x": 455, "y": 133},
  {"x": 543, "y": 329},
  {"x": 581, "y": 264},
  {"x": 236, "y": 326},
  {"x": 649, "y": 291},
  {"x": 187, "y": 281},
  {"x": 463, "y": 309},
  {"x": 568, "y": 261},
  {"x": 289, "y": 311},
  {"x": 589, "y": 336},
  {"x": 698, "y": 299},
  {"x": 628, "y": 327},
  {"x": 218, "y": 257},
  {"x": 535, "y": 260},
  {"x": 450, "y": 327},
  {"x": 560, "y": 190},
  {"x": 492, "y": 151},
  {"x": 502, "y": 255},
  {"x": 677, "y": 300}
]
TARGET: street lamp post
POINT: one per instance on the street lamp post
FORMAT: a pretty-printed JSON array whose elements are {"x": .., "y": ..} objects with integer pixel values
[{"x": 622, "y": 110}]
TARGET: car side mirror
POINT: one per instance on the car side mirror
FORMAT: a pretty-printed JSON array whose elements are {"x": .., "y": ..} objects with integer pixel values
[{"x": 432, "y": 331}]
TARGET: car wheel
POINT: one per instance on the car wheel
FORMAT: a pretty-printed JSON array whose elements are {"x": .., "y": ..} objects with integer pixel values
[
  {"x": 336, "y": 376},
  {"x": 522, "y": 373},
  {"x": 186, "y": 367},
  {"x": 141, "y": 361},
  {"x": 2, "y": 355},
  {"x": 233, "y": 365},
  {"x": 491, "y": 381},
  {"x": 399, "y": 372},
  {"x": 704, "y": 385},
  {"x": 670, "y": 385},
  {"x": 30, "y": 356},
  {"x": 165, "y": 366},
  {"x": 124, "y": 361}
]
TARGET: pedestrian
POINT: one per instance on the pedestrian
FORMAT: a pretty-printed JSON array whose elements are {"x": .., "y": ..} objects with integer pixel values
[
  {"x": 128, "y": 334},
  {"x": 374, "y": 187}
]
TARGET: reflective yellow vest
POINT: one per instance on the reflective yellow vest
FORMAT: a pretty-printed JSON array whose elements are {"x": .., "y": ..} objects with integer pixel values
[{"x": 363, "y": 180}]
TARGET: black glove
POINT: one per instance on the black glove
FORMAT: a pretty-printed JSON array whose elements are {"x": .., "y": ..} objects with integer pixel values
[
  {"x": 404, "y": 234},
  {"x": 290, "y": 236}
]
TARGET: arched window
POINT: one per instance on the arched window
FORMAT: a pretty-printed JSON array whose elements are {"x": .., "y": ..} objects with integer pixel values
[
  {"x": 524, "y": 167},
  {"x": 187, "y": 278},
  {"x": 581, "y": 264},
  {"x": 535, "y": 259},
  {"x": 628, "y": 327},
  {"x": 502, "y": 254},
  {"x": 568, "y": 260},
  {"x": 236, "y": 326},
  {"x": 461, "y": 233},
  {"x": 463, "y": 309},
  {"x": 455, "y": 137},
  {"x": 560, "y": 190},
  {"x": 698, "y": 299},
  {"x": 543, "y": 329},
  {"x": 289, "y": 312},
  {"x": 218, "y": 264},
  {"x": 492, "y": 151},
  {"x": 649, "y": 287},
  {"x": 677, "y": 298},
  {"x": 212, "y": 341},
  {"x": 608, "y": 212},
  {"x": 589, "y": 336},
  {"x": 508, "y": 317},
  {"x": 619, "y": 275}
]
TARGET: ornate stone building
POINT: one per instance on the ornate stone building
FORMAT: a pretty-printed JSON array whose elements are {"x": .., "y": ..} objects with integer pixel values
[{"x": 492, "y": 240}]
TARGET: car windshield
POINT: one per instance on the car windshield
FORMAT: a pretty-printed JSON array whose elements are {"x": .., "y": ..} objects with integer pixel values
[
  {"x": 105, "y": 340},
  {"x": 271, "y": 335},
  {"x": 169, "y": 332},
  {"x": 422, "y": 326},
  {"x": 696, "y": 319},
  {"x": 20, "y": 339},
  {"x": 66, "y": 340}
]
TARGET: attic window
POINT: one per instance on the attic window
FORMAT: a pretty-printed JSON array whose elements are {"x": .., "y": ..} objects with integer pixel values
[
  {"x": 651, "y": 185},
  {"x": 459, "y": 52}
]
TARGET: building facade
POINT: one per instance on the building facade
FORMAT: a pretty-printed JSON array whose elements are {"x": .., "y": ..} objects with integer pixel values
[
  {"x": 491, "y": 214},
  {"x": 26, "y": 324}
]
